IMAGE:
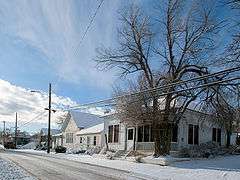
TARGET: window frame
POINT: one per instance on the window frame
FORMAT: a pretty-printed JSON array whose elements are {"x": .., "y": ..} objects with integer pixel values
[
  {"x": 110, "y": 134},
  {"x": 132, "y": 134},
  {"x": 193, "y": 134},
  {"x": 116, "y": 133}
]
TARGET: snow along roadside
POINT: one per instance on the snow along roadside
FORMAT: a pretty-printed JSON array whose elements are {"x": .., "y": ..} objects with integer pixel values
[
  {"x": 221, "y": 168},
  {"x": 10, "y": 171}
]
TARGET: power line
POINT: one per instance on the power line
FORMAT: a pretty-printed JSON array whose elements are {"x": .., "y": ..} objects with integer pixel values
[
  {"x": 110, "y": 100},
  {"x": 36, "y": 117},
  {"x": 83, "y": 36},
  {"x": 88, "y": 27}
]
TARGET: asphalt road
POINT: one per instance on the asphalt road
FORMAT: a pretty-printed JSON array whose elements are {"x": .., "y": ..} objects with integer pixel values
[{"x": 50, "y": 168}]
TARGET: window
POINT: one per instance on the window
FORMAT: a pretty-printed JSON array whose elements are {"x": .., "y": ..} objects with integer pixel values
[
  {"x": 116, "y": 133},
  {"x": 130, "y": 134},
  {"x": 196, "y": 134},
  {"x": 110, "y": 133},
  {"x": 193, "y": 134},
  {"x": 140, "y": 133},
  {"x": 94, "y": 140},
  {"x": 219, "y": 136},
  {"x": 144, "y": 133},
  {"x": 152, "y": 138},
  {"x": 175, "y": 133},
  {"x": 216, "y": 135},
  {"x": 81, "y": 139},
  {"x": 69, "y": 137},
  {"x": 88, "y": 140}
]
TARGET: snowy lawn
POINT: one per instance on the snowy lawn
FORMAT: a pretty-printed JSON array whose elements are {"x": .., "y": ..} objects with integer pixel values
[
  {"x": 227, "y": 167},
  {"x": 9, "y": 171}
]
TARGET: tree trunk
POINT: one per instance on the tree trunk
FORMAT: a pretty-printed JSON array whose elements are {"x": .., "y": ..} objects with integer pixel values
[{"x": 156, "y": 136}]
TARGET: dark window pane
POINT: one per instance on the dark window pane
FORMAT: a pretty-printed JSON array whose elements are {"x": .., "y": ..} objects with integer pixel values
[
  {"x": 214, "y": 137},
  {"x": 94, "y": 140},
  {"x": 175, "y": 133},
  {"x": 190, "y": 134},
  {"x": 116, "y": 133},
  {"x": 110, "y": 133},
  {"x": 146, "y": 133},
  {"x": 219, "y": 136},
  {"x": 130, "y": 134},
  {"x": 196, "y": 134},
  {"x": 152, "y": 138},
  {"x": 140, "y": 133}
]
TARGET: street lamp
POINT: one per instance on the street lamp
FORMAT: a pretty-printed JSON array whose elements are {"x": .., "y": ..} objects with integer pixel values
[{"x": 49, "y": 115}]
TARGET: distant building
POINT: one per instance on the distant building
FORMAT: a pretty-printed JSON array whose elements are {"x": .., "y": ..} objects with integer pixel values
[{"x": 43, "y": 135}]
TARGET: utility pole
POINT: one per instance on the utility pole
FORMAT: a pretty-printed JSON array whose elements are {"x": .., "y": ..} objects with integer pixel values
[
  {"x": 16, "y": 131},
  {"x": 49, "y": 118},
  {"x": 4, "y": 131}
]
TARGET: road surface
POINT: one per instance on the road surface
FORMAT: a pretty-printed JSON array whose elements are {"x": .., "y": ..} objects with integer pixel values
[{"x": 51, "y": 168}]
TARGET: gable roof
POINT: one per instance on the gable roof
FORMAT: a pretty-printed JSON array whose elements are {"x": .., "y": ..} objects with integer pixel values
[
  {"x": 82, "y": 120},
  {"x": 44, "y": 131},
  {"x": 92, "y": 130}
]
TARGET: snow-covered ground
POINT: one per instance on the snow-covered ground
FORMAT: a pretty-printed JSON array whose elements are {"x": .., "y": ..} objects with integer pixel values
[
  {"x": 221, "y": 168},
  {"x": 10, "y": 171}
]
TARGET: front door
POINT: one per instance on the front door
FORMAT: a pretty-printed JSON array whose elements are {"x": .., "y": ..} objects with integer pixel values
[{"x": 130, "y": 138}]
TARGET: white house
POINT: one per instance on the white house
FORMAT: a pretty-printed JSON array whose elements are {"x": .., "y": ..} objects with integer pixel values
[
  {"x": 91, "y": 137},
  {"x": 74, "y": 122},
  {"x": 194, "y": 128}
]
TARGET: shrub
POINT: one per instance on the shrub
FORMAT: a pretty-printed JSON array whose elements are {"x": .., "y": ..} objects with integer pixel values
[{"x": 60, "y": 149}]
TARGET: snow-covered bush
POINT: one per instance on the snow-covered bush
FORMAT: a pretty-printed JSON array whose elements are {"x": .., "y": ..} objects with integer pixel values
[
  {"x": 204, "y": 150},
  {"x": 93, "y": 150},
  {"x": 2, "y": 148}
]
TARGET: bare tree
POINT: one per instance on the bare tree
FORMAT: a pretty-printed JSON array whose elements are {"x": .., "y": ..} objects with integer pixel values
[
  {"x": 173, "y": 48},
  {"x": 60, "y": 120},
  {"x": 232, "y": 52}
]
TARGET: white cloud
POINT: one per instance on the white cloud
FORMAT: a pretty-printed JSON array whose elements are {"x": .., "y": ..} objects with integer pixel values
[
  {"x": 28, "y": 104},
  {"x": 30, "y": 107}
]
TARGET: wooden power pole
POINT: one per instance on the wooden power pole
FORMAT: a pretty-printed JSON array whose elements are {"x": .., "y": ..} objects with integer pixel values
[
  {"x": 49, "y": 119},
  {"x": 16, "y": 131},
  {"x": 4, "y": 132}
]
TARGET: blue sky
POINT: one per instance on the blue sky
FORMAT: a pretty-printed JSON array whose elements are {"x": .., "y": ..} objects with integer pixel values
[{"x": 39, "y": 43}]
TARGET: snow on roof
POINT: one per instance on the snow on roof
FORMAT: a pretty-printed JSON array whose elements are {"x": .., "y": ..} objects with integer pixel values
[
  {"x": 92, "y": 130},
  {"x": 57, "y": 135},
  {"x": 85, "y": 120},
  {"x": 44, "y": 131}
]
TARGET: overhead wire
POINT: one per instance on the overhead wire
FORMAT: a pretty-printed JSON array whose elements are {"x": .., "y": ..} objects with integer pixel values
[
  {"x": 110, "y": 100},
  {"x": 76, "y": 50}
]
